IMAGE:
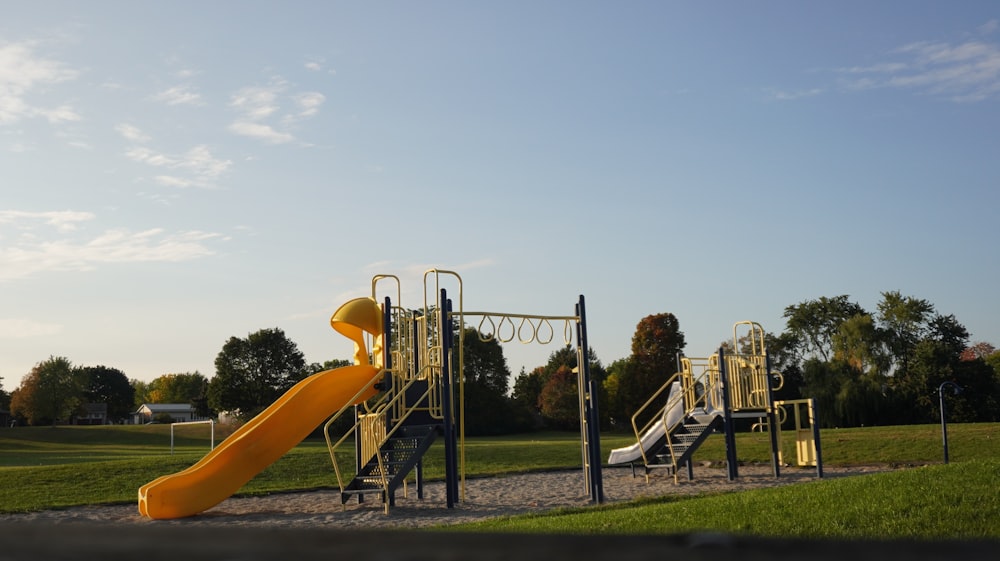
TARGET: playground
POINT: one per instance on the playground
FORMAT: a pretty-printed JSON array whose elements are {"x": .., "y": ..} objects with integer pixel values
[
  {"x": 402, "y": 396},
  {"x": 405, "y": 390}
]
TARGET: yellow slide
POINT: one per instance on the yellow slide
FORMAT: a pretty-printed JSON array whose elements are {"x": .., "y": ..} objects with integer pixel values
[
  {"x": 273, "y": 432},
  {"x": 256, "y": 445}
]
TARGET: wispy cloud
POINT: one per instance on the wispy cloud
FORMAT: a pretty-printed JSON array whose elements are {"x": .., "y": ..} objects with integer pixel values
[
  {"x": 260, "y": 114},
  {"x": 22, "y": 73},
  {"x": 961, "y": 72},
  {"x": 308, "y": 103},
  {"x": 318, "y": 65},
  {"x": 260, "y": 131},
  {"x": 60, "y": 220},
  {"x": 37, "y": 250},
  {"x": 178, "y": 95},
  {"x": 20, "y": 328},
  {"x": 791, "y": 95},
  {"x": 132, "y": 132},
  {"x": 197, "y": 167}
]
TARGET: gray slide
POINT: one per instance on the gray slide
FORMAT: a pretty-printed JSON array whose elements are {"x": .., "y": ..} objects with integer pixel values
[{"x": 673, "y": 414}]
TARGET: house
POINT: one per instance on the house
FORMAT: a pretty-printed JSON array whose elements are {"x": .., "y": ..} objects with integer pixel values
[
  {"x": 92, "y": 414},
  {"x": 178, "y": 412}
]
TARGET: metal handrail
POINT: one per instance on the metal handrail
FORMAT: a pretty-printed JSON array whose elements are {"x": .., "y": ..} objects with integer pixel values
[
  {"x": 330, "y": 445},
  {"x": 709, "y": 379},
  {"x": 653, "y": 420},
  {"x": 379, "y": 410}
]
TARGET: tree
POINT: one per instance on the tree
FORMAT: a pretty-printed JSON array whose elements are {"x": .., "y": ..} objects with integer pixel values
[
  {"x": 189, "y": 387},
  {"x": 488, "y": 410},
  {"x": 612, "y": 406},
  {"x": 177, "y": 388},
  {"x": 4, "y": 396},
  {"x": 484, "y": 363},
  {"x": 316, "y": 367},
  {"x": 141, "y": 389},
  {"x": 656, "y": 344},
  {"x": 904, "y": 322},
  {"x": 858, "y": 343},
  {"x": 979, "y": 349},
  {"x": 109, "y": 385},
  {"x": 559, "y": 400},
  {"x": 781, "y": 350},
  {"x": 527, "y": 389},
  {"x": 813, "y": 323},
  {"x": 252, "y": 373},
  {"x": 822, "y": 381},
  {"x": 993, "y": 360},
  {"x": 51, "y": 392}
]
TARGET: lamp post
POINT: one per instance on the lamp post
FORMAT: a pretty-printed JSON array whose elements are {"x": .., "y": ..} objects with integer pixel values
[{"x": 944, "y": 423}]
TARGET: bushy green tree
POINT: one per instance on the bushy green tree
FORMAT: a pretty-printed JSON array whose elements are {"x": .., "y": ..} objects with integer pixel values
[
  {"x": 110, "y": 386},
  {"x": 886, "y": 368},
  {"x": 51, "y": 392},
  {"x": 904, "y": 322},
  {"x": 612, "y": 405},
  {"x": 488, "y": 409},
  {"x": 252, "y": 372},
  {"x": 527, "y": 388},
  {"x": 813, "y": 323},
  {"x": 177, "y": 388}
]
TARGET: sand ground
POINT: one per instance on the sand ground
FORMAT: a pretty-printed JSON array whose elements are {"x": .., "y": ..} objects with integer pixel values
[{"x": 484, "y": 498}]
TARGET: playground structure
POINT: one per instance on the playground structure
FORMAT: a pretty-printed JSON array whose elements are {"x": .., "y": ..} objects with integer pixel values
[
  {"x": 422, "y": 383},
  {"x": 710, "y": 394},
  {"x": 405, "y": 388}
]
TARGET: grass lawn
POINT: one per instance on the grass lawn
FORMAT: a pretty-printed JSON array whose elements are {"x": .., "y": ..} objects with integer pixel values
[{"x": 43, "y": 467}]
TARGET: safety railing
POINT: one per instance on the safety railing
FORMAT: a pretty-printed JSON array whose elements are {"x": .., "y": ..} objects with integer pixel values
[
  {"x": 333, "y": 446},
  {"x": 372, "y": 426},
  {"x": 700, "y": 388},
  {"x": 654, "y": 419}
]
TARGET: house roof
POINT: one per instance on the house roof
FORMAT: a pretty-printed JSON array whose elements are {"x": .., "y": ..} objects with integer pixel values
[{"x": 166, "y": 407}]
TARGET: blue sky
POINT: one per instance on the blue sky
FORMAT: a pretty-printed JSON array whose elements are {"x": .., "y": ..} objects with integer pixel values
[{"x": 176, "y": 173}]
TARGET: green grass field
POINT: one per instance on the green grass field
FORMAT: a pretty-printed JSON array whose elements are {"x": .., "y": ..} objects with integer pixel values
[{"x": 43, "y": 468}]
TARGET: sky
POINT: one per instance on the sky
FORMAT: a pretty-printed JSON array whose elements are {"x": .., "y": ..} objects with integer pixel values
[{"x": 174, "y": 174}]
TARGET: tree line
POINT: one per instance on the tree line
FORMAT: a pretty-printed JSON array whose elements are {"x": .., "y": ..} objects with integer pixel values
[
  {"x": 863, "y": 368},
  {"x": 250, "y": 373}
]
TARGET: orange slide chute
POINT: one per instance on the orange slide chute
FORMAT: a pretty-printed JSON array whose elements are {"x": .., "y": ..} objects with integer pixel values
[{"x": 272, "y": 433}]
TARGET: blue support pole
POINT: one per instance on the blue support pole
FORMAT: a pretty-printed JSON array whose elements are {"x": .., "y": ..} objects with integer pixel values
[
  {"x": 591, "y": 413},
  {"x": 450, "y": 448},
  {"x": 727, "y": 415},
  {"x": 772, "y": 419},
  {"x": 815, "y": 428}
]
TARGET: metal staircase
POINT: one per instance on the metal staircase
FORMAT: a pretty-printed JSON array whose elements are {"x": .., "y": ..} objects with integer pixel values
[
  {"x": 685, "y": 439},
  {"x": 387, "y": 470},
  {"x": 679, "y": 443}
]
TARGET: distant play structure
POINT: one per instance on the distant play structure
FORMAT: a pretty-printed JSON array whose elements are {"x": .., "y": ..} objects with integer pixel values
[
  {"x": 404, "y": 390},
  {"x": 710, "y": 394}
]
